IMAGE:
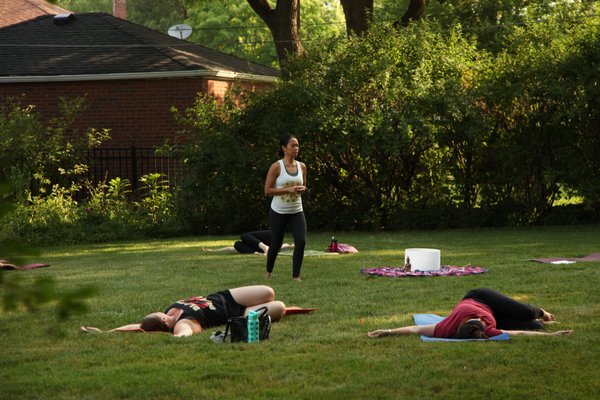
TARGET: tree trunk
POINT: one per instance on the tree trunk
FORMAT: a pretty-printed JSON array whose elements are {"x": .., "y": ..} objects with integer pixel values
[
  {"x": 358, "y": 14},
  {"x": 415, "y": 11},
  {"x": 284, "y": 23}
]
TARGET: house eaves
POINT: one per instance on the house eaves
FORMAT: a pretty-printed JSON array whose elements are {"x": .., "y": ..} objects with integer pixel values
[
  {"x": 96, "y": 46},
  {"x": 219, "y": 75}
]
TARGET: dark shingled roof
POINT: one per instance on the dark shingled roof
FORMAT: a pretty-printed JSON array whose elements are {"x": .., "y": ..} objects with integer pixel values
[{"x": 98, "y": 43}]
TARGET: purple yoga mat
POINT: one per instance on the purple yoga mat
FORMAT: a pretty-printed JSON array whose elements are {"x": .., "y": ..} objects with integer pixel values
[{"x": 445, "y": 270}]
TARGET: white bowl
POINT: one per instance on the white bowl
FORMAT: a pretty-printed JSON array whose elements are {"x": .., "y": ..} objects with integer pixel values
[{"x": 423, "y": 259}]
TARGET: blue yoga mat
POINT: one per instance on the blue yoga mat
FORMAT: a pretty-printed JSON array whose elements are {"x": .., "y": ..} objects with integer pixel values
[{"x": 428, "y": 319}]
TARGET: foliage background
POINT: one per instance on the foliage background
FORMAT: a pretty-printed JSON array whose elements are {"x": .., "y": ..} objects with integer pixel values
[
  {"x": 438, "y": 125},
  {"x": 418, "y": 129}
]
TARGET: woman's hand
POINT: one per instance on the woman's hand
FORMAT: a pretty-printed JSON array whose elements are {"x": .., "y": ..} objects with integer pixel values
[
  {"x": 89, "y": 329},
  {"x": 563, "y": 332},
  {"x": 380, "y": 333},
  {"x": 299, "y": 189}
]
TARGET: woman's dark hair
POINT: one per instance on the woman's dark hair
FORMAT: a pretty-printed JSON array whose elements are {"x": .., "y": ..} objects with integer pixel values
[
  {"x": 284, "y": 142},
  {"x": 472, "y": 329},
  {"x": 154, "y": 323}
]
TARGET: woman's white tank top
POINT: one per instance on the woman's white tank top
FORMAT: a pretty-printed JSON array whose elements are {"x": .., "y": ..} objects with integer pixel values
[{"x": 288, "y": 203}]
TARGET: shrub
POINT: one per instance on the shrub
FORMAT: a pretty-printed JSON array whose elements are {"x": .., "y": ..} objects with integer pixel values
[{"x": 35, "y": 156}]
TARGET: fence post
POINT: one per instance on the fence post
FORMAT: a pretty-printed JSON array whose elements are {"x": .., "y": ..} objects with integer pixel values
[{"x": 134, "y": 168}]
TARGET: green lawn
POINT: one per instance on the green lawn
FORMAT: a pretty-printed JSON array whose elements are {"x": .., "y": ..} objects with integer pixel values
[{"x": 324, "y": 355}]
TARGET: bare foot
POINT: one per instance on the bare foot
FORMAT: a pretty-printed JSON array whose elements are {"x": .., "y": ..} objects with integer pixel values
[
  {"x": 547, "y": 317},
  {"x": 264, "y": 248},
  {"x": 297, "y": 279},
  {"x": 268, "y": 275}
]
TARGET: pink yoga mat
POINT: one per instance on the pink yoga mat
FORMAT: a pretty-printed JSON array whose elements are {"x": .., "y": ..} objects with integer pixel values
[{"x": 12, "y": 267}]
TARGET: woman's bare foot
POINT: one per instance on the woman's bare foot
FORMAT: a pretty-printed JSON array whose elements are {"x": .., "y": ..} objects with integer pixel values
[
  {"x": 287, "y": 246},
  {"x": 297, "y": 279},
  {"x": 268, "y": 275},
  {"x": 547, "y": 317},
  {"x": 264, "y": 248}
]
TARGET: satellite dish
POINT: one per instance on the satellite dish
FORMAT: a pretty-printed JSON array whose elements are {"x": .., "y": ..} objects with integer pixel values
[{"x": 180, "y": 31}]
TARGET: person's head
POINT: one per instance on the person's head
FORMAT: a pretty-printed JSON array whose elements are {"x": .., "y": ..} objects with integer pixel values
[
  {"x": 155, "y": 322},
  {"x": 288, "y": 144},
  {"x": 471, "y": 329}
]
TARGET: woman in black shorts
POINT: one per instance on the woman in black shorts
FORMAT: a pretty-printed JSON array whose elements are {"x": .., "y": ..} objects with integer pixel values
[{"x": 193, "y": 315}]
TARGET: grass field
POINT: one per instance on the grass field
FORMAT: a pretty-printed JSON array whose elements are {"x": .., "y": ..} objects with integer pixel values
[{"x": 324, "y": 355}]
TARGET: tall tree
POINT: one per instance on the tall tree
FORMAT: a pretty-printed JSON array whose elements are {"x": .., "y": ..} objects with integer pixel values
[
  {"x": 359, "y": 14},
  {"x": 284, "y": 23},
  {"x": 414, "y": 12}
]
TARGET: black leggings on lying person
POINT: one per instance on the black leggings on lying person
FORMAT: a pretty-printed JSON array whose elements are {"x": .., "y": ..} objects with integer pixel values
[
  {"x": 509, "y": 313},
  {"x": 250, "y": 240}
]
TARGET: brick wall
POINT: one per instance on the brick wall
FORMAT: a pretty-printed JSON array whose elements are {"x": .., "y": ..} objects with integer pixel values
[{"x": 137, "y": 112}]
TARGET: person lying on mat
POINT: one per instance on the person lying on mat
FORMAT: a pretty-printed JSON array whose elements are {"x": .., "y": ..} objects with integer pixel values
[
  {"x": 190, "y": 316},
  {"x": 256, "y": 242},
  {"x": 483, "y": 313}
]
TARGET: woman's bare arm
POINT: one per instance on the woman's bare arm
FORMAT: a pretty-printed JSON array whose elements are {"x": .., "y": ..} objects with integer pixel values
[
  {"x": 426, "y": 330},
  {"x": 538, "y": 333},
  {"x": 186, "y": 327},
  {"x": 125, "y": 328},
  {"x": 270, "y": 189}
]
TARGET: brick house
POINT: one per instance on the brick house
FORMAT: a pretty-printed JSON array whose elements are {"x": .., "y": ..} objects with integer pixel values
[{"x": 130, "y": 76}]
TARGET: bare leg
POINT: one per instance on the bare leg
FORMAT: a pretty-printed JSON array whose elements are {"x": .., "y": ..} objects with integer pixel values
[
  {"x": 252, "y": 295},
  {"x": 228, "y": 249},
  {"x": 275, "y": 309},
  {"x": 257, "y": 296}
]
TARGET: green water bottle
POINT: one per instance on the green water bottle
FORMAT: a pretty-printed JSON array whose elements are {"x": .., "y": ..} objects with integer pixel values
[{"x": 253, "y": 331}]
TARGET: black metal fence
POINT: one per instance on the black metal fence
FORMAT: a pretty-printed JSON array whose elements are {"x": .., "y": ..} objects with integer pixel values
[{"x": 131, "y": 163}]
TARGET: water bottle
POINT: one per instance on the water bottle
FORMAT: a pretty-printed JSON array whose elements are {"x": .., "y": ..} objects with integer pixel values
[
  {"x": 253, "y": 330},
  {"x": 334, "y": 244},
  {"x": 217, "y": 337}
]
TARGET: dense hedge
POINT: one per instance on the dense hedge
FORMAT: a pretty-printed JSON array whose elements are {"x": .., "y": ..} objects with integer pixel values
[
  {"x": 401, "y": 129},
  {"x": 413, "y": 128}
]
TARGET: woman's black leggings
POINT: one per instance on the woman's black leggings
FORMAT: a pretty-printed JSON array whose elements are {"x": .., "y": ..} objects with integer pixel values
[
  {"x": 509, "y": 313},
  {"x": 297, "y": 225},
  {"x": 250, "y": 240}
]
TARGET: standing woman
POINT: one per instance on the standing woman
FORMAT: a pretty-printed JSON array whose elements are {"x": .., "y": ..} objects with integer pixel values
[{"x": 286, "y": 181}]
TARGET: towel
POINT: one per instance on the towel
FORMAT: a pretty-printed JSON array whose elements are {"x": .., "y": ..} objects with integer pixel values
[
  {"x": 298, "y": 310},
  {"x": 567, "y": 260},
  {"x": 5, "y": 265},
  {"x": 307, "y": 253},
  {"x": 428, "y": 319}
]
